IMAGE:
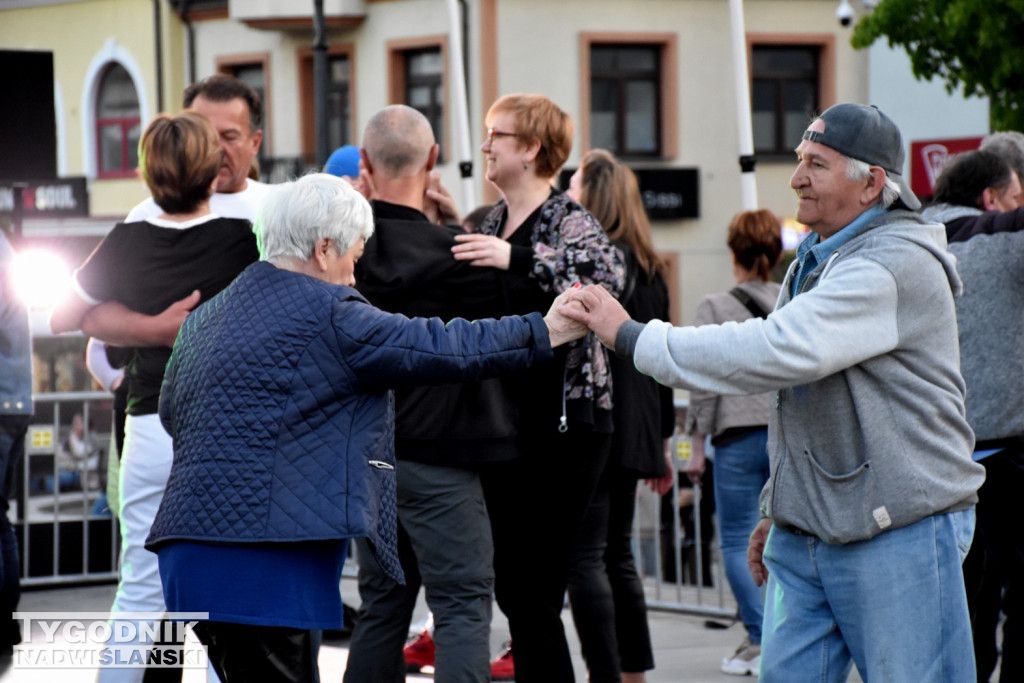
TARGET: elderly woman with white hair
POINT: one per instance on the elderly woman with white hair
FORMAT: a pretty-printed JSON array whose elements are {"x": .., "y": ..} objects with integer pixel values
[{"x": 278, "y": 398}]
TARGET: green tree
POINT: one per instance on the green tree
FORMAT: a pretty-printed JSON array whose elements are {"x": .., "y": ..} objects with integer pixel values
[{"x": 977, "y": 44}]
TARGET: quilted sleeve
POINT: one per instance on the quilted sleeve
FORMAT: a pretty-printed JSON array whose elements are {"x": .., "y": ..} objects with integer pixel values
[
  {"x": 166, "y": 407},
  {"x": 384, "y": 350}
]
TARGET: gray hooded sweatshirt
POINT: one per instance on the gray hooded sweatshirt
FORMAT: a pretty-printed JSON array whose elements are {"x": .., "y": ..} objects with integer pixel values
[
  {"x": 868, "y": 431},
  {"x": 991, "y": 323}
]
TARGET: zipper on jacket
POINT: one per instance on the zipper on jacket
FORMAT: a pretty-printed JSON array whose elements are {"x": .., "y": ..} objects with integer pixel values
[
  {"x": 563, "y": 422},
  {"x": 380, "y": 464}
]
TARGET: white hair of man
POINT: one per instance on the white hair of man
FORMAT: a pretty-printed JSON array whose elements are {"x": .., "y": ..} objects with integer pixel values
[
  {"x": 861, "y": 170},
  {"x": 397, "y": 141},
  {"x": 316, "y": 206},
  {"x": 1008, "y": 144}
]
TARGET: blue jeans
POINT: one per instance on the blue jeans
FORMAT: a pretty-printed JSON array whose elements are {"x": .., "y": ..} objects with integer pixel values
[
  {"x": 741, "y": 470},
  {"x": 895, "y": 605}
]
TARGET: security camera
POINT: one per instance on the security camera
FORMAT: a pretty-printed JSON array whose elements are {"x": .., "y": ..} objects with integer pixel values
[{"x": 845, "y": 13}]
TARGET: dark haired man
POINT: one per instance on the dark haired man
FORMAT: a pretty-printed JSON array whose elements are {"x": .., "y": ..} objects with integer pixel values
[
  {"x": 236, "y": 113},
  {"x": 976, "y": 194}
]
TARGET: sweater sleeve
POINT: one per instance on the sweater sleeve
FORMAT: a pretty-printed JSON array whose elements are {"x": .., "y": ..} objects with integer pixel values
[
  {"x": 817, "y": 334},
  {"x": 700, "y": 416}
]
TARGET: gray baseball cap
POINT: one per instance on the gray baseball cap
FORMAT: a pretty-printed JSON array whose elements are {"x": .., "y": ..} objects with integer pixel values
[{"x": 865, "y": 133}]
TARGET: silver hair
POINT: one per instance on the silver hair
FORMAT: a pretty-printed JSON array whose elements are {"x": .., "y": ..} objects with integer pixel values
[
  {"x": 1008, "y": 144},
  {"x": 316, "y": 206},
  {"x": 860, "y": 170}
]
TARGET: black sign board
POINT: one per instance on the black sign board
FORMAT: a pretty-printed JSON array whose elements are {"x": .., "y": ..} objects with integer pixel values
[
  {"x": 28, "y": 132},
  {"x": 668, "y": 193},
  {"x": 58, "y": 198}
]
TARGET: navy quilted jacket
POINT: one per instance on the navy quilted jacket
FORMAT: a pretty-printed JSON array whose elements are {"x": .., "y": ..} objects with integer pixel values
[{"x": 278, "y": 398}]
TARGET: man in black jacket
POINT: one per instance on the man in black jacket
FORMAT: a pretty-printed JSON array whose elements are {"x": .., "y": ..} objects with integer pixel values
[{"x": 442, "y": 434}]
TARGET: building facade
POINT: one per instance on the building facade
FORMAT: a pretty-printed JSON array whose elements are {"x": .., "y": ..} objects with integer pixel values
[{"x": 651, "y": 80}]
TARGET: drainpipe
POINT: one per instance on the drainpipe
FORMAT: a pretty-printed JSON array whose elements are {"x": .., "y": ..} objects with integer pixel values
[
  {"x": 320, "y": 82},
  {"x": 190, "y": 40},
  {"x": 158, "y": 48},
  {"x": 458, "y": 72}
]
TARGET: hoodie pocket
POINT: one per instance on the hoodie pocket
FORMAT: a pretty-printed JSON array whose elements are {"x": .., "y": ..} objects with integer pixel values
[{"x": 839, "y": 508}]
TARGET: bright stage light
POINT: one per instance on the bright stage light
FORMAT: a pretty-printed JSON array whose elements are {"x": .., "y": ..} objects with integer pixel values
[{"x": 41, "y": 278}]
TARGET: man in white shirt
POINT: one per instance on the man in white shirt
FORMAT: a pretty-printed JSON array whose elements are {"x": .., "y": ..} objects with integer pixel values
[
  {"x": 236, "y": 113},
  {"x": 235, "y": 110}
]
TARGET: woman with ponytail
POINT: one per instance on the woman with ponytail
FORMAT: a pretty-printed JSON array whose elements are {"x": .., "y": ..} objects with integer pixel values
[
  {"x": 738, "y": 425},
  {"x": 605, "y": 592}
]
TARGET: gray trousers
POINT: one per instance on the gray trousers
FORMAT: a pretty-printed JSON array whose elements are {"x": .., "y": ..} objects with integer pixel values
[{"x": 444, "y": 544}]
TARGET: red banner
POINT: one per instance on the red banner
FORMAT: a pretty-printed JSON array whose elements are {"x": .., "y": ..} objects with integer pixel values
[{"x": 927, "y": 157}]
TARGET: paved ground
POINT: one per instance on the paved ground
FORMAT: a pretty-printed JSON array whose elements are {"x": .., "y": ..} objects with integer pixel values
[{"x": 684, "y": 648}]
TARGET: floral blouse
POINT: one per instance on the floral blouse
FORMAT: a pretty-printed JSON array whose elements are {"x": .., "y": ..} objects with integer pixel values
[{"x": 570, "y": 246}]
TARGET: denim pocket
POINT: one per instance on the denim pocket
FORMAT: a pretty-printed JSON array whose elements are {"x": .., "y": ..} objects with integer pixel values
[{"x": 963, "y": 529}]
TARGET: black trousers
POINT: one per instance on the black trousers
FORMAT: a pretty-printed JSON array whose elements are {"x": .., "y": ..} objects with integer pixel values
[
  {"x": 994, "y": 568},
  {"x": 536, "y": 504},
  {"x": 241, "y": 653},
  {"x": 607, "y": 597}
]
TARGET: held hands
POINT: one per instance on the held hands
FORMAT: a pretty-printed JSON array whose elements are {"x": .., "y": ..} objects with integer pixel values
[
  {"x": 755, "y": 551},
  {"x": 483, "y": 250},
  {"x": 561, "y": 329},
  {"x": 598, "y": 310}
]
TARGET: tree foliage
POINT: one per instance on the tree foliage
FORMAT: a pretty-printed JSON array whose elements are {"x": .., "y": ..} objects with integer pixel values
[{"x": 976, "y": 44}]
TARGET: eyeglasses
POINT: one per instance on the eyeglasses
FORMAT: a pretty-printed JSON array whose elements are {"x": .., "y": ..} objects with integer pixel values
[{"x": 493, "y": 133}]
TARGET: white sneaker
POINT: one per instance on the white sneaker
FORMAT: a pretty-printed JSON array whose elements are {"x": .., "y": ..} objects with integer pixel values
[{"x": 745, "y": 661}]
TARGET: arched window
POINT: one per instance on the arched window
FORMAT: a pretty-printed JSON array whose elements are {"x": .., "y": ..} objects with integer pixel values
[{"x": 118, "y": 127}]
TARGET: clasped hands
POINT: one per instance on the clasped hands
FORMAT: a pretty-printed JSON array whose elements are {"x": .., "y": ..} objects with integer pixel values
[{"x": 581, "y": 309}]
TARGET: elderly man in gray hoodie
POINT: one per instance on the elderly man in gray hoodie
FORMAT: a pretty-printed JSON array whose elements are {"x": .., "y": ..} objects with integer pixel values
[{"x": 870, "y": 505}]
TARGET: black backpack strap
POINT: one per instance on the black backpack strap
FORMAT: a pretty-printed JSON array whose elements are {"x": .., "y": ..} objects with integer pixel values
[{"x": 748, "y": 301}]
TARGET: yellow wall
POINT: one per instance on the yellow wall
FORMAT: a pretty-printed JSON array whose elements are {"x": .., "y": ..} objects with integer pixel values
[{"x": 76, "y": 32}]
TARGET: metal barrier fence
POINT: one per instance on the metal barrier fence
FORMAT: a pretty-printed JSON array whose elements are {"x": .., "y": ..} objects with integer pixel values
[
  {"x": 65, "y": 532},
  {"x": 67, "y": 535},
  {"x": 676, "y": 545}
]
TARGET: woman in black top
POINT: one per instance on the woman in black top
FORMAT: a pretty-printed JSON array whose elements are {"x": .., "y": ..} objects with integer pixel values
[
  {"x": 605, "y": 592},
  {"x": 147, "y": 267},
  {"x": 544, "y": 243}
]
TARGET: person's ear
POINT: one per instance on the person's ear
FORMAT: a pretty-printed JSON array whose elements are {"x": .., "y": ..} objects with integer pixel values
[
  {"x": 320, "y": 250},
  {"x": 435, "y": 149},
  {"x": 988, "y": 200},
  {"x": 873, "y": 186},
  {"x": 366, "y": 161},
  {"x": 532, "y": 150},
  {"x": 257, "y": 138}
]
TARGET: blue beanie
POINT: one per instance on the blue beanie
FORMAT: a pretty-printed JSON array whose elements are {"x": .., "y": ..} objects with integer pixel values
[{"x": 344, "y": 161}]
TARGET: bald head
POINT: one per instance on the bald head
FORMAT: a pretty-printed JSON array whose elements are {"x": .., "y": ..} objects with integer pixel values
[{"x": 398, "y": 142}]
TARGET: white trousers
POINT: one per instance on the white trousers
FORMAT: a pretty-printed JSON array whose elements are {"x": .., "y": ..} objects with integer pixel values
[{"x": 145, "y": 468}]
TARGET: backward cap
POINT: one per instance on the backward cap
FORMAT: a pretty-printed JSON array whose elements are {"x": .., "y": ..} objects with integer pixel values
[{"x": 867, "y": 134}]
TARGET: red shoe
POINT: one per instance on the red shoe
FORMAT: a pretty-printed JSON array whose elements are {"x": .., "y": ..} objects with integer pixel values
[
  {"x": 419, "y": 653},
  {"x": 503, "y": 668}
]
